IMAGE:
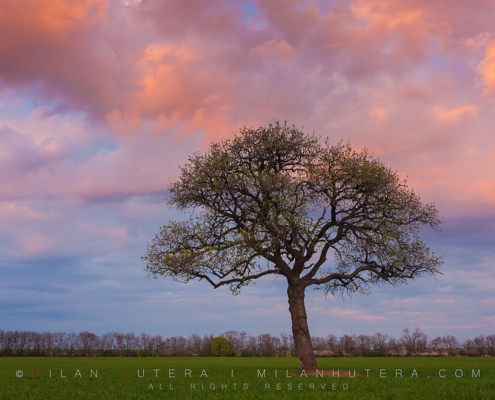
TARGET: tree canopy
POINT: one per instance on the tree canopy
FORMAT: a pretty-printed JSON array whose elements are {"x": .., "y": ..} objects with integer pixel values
[
  {"x": 221, "y": 347},
  {"x": 278, "y": 195},
  {"x": 275, "y": 200}
]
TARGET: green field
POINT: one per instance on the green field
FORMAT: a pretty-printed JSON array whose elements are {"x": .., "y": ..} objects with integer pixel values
[{"x": 208, "y": 378}]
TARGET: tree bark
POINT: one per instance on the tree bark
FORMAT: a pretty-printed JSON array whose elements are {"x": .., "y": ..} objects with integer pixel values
[{"x": 300, "y": 330}]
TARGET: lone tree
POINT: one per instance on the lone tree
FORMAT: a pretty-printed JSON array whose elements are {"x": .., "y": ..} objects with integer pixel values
[
  {"x": 221, "y": 347},
  {"x": 278, "y": 201}
]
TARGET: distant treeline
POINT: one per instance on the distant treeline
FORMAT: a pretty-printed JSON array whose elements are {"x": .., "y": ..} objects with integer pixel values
[{"x": 85, "y": 344}]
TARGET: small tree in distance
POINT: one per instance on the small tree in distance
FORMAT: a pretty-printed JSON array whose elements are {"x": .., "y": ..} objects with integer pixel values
[
  {"x": 221, "y": 347},
  {"x": 277, "y": 201}
]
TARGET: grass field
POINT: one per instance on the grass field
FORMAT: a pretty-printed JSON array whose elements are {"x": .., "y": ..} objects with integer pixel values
[{"x": 209, "y": 378}]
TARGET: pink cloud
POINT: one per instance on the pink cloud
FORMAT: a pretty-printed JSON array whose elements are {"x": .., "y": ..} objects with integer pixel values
[
  {"x": 10, "y": 211},
  {"x": 487, "y": 68},
  {"x": 127, "y": 122},
  {"x": 444, "y": 327},
  {"x": 54, "y": 43},
  {"x": 101, "y": 101},
  {"x": 372, "y": 318},
  {"x": 275, "y": 49},
  {"x": 362, "y": 71}
]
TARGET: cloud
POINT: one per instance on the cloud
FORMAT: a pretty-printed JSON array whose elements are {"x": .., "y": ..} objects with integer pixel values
[
  {"x": 101, "y": 101},
  {"x": 10, "y": 211},
  {"x": 274, "y": 49},
  {"x": 444, "y": 115},
  {"x": 396, "y": 76},
  {"x": 450, "y": 327},
  {"x": 487, "y": 68},
  {"x": 380, "y": 114},
  {"x": 54, "y": 44},
  {"x": 129, "y": 121}
]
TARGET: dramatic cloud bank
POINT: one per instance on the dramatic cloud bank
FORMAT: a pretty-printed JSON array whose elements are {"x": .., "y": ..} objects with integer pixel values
[{"x": 101, "y": 101}]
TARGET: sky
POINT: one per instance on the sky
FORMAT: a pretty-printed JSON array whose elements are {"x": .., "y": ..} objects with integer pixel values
[{"x": 101, "y": 101}]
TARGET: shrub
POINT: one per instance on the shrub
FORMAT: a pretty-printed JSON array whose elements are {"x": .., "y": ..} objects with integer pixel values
[{"x": 144, "y": 353}]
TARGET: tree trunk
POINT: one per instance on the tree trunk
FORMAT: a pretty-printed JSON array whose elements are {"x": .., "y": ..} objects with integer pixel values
[{"x": 300, "y": 331}]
